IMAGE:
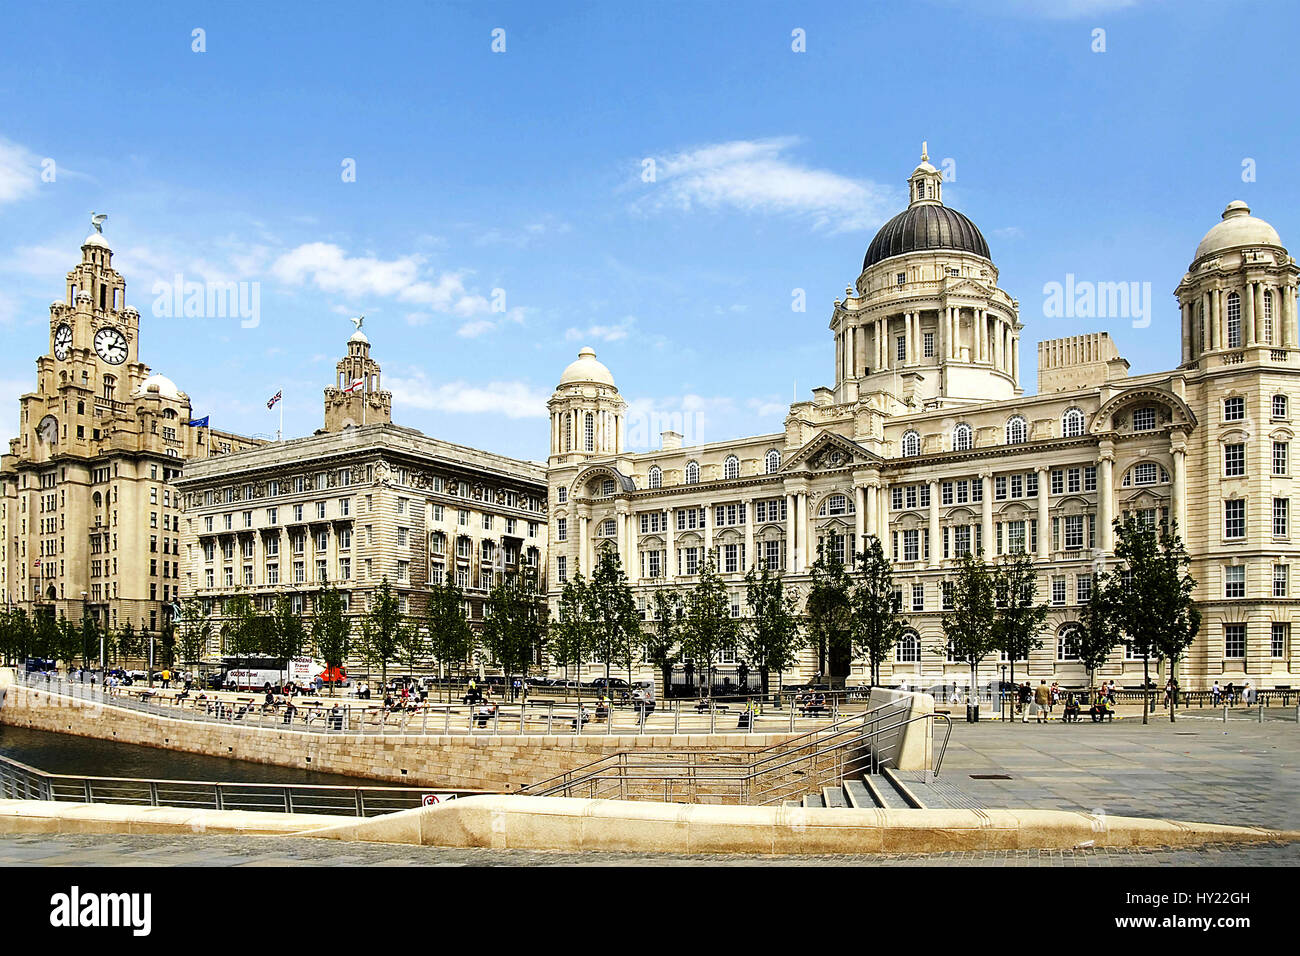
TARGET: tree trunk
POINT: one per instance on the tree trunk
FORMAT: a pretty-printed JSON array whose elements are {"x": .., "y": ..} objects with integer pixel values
[
  {"x": 1146, "y": 686},
  {"x": 1173, "y": 693}
]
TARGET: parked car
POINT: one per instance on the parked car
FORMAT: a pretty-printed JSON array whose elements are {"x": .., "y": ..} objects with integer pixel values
[
  {"x": 610, "y": 683},
  {"x": 35, "y": 665}
]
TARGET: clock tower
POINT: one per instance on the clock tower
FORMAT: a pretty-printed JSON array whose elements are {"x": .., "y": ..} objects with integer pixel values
[{"x": 89, "y": 521}]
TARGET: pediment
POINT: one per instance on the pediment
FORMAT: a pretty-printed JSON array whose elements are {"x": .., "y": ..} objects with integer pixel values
[{"x": 829, "y": 451}]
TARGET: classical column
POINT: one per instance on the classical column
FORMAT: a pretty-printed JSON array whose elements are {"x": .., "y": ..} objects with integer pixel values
[
  {"x": 882, "y": 340},
  {"x": 859, "y": 514},
  {"x": 624, "y": 551},
  {"x": 1216, "y": 307},
  {"x": 1187, "y": 332},
  {"x": 1248, "y": 315},
  {"x": 872, "y": 508},
  {"x": 670, "y": 559},
  {"x": 791, "y": 514},
  {"x": 805, "y": 544},
  {"x": 583, "y": 568},
  {"x": 748, "y": 505},
  {"x": 986, "y": 512},
  {"x": 708, "y": 531},
  {"x": 1179, "y": 509},
  {"x": 1105, "y": 485},
  {"x": 936, "y": 546},
  {"x": 910, "y": 353},
  {"x": 1044, "y": 522}
]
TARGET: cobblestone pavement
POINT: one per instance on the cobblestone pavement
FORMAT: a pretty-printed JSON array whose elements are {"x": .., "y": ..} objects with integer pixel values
[
  {"x": 223, "y": 851},
  {"x": 1197, "y": 769}
]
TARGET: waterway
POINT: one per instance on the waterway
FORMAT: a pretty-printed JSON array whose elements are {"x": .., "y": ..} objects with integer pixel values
[{"x": 65, "y": 753}]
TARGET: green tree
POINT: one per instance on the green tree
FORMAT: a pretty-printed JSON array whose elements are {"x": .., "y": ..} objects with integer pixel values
[
  {"x": 167, "y": 639},
  {"x": 665, "y": 635},
  {"x": 239, "y": 630},
  {"x": 877, "y": 621},
  {"x": 969, "y": 626},
  {"x": 331, "y": 629},
  {"x": 381, "y": 629},
  {"x": 615, "y": 620},
  {"x": 67, "y": 643},
  {"x": 289, "y": 635},
  {"x": 89, "y": 639},
  {"x": 128, "y": 644},
  {"x": 1153, "y": 596},
  {"x": 194, "y": 635},
  {"x": 1096, "y": 632},
  {"x": 770, "y": 640},
  {"x": 514, "y": 630},
  {"x": 1018, "y": 619},
  {"x": 829, "y": 608},
  {"x": 709, "y": 628},
  {"x": 571, "y": 632},
  {"x": 451, "y": 639}
]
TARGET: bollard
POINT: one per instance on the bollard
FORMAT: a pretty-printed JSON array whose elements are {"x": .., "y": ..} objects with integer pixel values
[
  {"x": 1260, "y": 711},
  {"x": 713, "y": 716},
  {"x": 677, "y": 715},
  {"x": 1225, "y": 713}
]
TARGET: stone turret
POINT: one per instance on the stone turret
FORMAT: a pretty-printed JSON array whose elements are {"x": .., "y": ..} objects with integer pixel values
[{"x": 356, "y": 398}]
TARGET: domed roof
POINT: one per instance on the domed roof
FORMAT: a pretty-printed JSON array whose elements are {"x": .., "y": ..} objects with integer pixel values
[
  {"x": 95, "y": 239},
  {"x": 923, "y": 226},
  {"x": 1238, "y": 228},
  {"x": 587, "y": 369},
  {"x": 160, "y": 384},
  {"x": 358, "y": 336}
]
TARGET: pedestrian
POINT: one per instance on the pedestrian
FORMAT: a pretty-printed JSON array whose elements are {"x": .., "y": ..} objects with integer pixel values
[
  {"x": 1230, "y": 693},
  {"x": 1248, "y": 695},
  {"x": 1042, "y": 698},
  {"x": 1215, "y": 694}
]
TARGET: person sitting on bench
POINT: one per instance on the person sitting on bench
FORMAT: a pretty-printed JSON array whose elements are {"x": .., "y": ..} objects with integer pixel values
[{"x": 1071, "y": 712}]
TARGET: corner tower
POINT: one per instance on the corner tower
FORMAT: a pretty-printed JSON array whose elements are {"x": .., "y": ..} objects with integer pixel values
[
  {"x": 1239, "y": 293},
  {"x": 588, "y": 415},
  {"x": 356, "y": 397}
]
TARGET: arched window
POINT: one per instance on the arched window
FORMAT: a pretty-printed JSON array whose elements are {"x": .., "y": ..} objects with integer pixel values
[
  {"x": 591, "y": 432},
  {"x": 773, "y": 462},
  {"x": 911, "y": 444},
  {"x": 1234, "y": 320},
  {"x": 908, "y": 648},
  {"x": 656, "y": 477},
  {"x": 110, "y": 382},
  {"x": 1017, "y": 430},
  {"x": 1067, "y": 643},
  {"x": 1267, "y": 331},
  {"x": 1072, "y": 423},
  {"x": 961, "y": 438},
  {"x": 731, "y": 467},
  {"x": 1146, "y": 473},
  {"x": 692, "y": 472}
]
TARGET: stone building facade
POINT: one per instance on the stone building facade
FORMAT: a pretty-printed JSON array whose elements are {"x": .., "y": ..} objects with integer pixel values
[
  {"x": 354, "y": 504},
  {"x": 89, "y": 521},
  {"x": 926, "y": 439}
]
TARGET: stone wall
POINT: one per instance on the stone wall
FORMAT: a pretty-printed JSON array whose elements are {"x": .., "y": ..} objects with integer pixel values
[{"x": 481, "y": 762}]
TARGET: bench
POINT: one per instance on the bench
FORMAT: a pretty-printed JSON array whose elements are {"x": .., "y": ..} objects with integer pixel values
[{"x": 703, "y": 707}]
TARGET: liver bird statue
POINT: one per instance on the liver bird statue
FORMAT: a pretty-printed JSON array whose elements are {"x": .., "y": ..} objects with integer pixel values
[{"x": 97, "y": 220}]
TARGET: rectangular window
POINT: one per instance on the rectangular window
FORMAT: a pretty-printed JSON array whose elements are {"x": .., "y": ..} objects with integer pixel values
[
  {"x": 928, "y": 344},
  {"x": 1234, "y": 581},
  {"x": 562, "y": 569},
  {"x": 1281, "y": 580},
  {"x": 1234, "y": 518},
  {"x": 1279, "y": 407},
  {"x": 901, "y": 350},
  {"x": 1017, "y": 486},
  {"x": 1278, "y": 639},
  {"x": 1280, "y": 458},
  {"x": 911, "y": 546},
  {"x": 918, "y": 597},
  {"x": 1058, "y": 481},
  {"x": 1083, "y": 588},
  {"x": 945, "y": 493},
  {"x": 1234, "y": 460},
  {"x": 1234, "y": 409},
  {"x": 1000, "y": 488},
  {"x": 1058, "y": 590},
  {"x": 1073, "y": 480},
  {"x": 561, "y": 529},
  {"x": 1234, "y": 640},
  {"x": 1074, "y": 533},
  {"x": 1281, "y": 517}
]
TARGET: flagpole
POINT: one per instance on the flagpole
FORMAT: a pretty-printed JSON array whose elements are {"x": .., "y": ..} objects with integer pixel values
[{"x": 279, "y": 435}]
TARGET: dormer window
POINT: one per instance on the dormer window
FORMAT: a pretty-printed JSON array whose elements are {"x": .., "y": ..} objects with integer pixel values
[{"x": 1144, "y": 419}]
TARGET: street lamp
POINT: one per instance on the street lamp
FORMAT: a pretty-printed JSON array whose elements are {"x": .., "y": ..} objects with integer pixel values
[{"x": 1002, "y": 694}]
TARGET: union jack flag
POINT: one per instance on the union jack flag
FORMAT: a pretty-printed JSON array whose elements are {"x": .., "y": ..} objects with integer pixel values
[{"x": 275, "y": 398}]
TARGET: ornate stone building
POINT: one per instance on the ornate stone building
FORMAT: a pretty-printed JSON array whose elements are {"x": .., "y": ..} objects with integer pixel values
[
  {"x": 88, "y": 519},
  {"x": 926, "y": 440},
  {"x": 356, "y": 503}
]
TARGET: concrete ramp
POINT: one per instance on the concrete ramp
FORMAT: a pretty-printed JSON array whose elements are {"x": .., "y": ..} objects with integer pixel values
[{"x": 562, "y": 823}]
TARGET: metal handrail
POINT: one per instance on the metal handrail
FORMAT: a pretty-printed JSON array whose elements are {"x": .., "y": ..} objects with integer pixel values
[
  {"x": 685, "y": 766},
  {"x": 20, "y": 781}
]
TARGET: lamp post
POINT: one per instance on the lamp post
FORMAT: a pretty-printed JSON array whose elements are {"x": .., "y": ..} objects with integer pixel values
[
  {"x": 144, "y": 629},
  {"x": 1002, "y": 694}
]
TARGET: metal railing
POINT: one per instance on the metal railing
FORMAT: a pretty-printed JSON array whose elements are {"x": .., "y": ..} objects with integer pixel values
[
  {"x": 356, "y": 717},
  {"x": 18, "y": 781},
  {"x": 826, "y": 756}
]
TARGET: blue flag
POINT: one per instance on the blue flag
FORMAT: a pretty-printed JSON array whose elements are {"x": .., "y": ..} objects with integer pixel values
[{"x": 199, "y": 422}]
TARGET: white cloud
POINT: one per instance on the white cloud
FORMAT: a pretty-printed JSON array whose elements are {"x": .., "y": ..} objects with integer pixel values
[
  {"x": 512, "y": 399},
  {"x": 602, "y": 333},
  {"x": 524, "y": 235},
  {"x": 758, "y": 176},
  {"x": 360, "y": 278},
  {"x": 19, "y": 175}
]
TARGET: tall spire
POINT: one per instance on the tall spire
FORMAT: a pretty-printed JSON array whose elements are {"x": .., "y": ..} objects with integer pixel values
[
  {"x": 925, "y": 153},
  {"x": 926, "y": 183}
]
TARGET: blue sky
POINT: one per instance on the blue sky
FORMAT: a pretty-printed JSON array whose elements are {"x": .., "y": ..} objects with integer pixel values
[{"x": 499, "y": 220}]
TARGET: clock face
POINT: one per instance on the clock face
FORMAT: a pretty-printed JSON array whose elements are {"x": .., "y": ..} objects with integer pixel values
[
  {"x": 110, "y": 345},
  {"x": 48, "y": 430},
  {"x": 62, "y": 341}
]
